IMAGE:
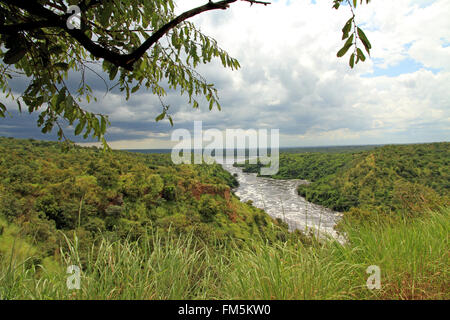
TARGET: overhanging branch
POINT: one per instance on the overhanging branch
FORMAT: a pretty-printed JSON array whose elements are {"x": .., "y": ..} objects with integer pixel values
[{"x": 51, "y": 19}]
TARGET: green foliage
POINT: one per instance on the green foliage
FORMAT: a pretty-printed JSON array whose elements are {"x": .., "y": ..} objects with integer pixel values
[
  {"x": 155, "y": 185},
  {"x": 353, "y": 35},
  {"x": 208, "y": 207},
  {"x": 399, "y": 178},
  {"x": 72, "y": 191},
  {"x": 306, "y": 166},
  {"x": 412, "y": 255},
  {"x": 47, "y": 53},
  {"x": 406, "y": 179},
  {"x": 169, "y": 193},
  {"x": 140, "y": 245},
  {"x": 139, "y": 44}
]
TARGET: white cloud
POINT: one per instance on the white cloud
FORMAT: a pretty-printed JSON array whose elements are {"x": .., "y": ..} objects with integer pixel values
[
  {"x": 404, "y": 23},
  {"x": 291, "y": 78}
]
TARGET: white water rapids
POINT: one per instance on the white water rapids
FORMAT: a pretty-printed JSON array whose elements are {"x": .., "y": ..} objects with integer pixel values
[{"x": 279, "y": 199}]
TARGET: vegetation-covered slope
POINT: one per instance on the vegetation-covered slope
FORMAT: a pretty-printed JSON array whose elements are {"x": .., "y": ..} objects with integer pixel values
[
  {"x": 394, "y": 178},
  {"x": 412, "y": 255},
  {"x": 118, "y": 195},
  {"x": 142, "y": 228},
  {"x": 406, "y": 179}
]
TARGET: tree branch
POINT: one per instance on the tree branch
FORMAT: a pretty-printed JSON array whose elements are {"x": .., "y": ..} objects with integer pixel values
[
  {"x": 126, "y": 61},
  {"x": 27, "y": 26},
  {"x": 139, "y": 52}
]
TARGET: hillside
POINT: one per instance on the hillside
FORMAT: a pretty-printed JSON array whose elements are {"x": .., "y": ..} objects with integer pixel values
[
  {"x": 119, "y": 195},
  {"x": 141, "y": 228},
  {"x": 407, "y": 179},
  {"x": 393, "y": 178}
]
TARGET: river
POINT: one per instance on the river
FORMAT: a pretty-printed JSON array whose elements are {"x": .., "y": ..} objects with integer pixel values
[{"x": 279, "y": 199}]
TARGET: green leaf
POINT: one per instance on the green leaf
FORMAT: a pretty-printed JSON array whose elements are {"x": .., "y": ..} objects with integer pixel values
[
  {"x": 136, "y": 88},
  {"x": 113, "y": 72},
  {"x": 352, "y": 60},
  {"x": 364, "y": 40},
  {"x": 349, "y": 40},
  {"x": 61, "y": 65},
  {"x": 346, "y": 29},
  {"x": 345, "y": 48},
  {"x": 96, "y": 126},
  {"x": 174, "y": 39},
  {"x": 105, "y": 14},
  {"x": 61, "y": 97},
  {"x": 2, "y": 110},
  {"x": 361, "y": 55},
  {"x": 342, "y": 51},
  {"x": 103, "y": 125},
  {"x": 160, "y": 117},
  {"x": 69, "y": 103},
  {"x": 79, "y": 127},
  {"x": 14, "y": 55}
]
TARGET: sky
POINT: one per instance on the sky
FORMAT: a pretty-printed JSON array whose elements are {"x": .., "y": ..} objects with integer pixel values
[{"x": 291, "y": 79}]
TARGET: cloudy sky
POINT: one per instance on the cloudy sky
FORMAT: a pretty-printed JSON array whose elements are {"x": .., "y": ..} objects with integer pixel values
[{"x": 292, "y": 80}]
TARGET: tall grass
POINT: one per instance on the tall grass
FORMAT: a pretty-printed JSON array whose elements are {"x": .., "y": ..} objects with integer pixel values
[{"x": 413, "y": 256}]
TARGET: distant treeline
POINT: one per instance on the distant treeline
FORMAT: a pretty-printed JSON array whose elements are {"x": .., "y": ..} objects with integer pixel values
[{"x": 325, "y": 149}]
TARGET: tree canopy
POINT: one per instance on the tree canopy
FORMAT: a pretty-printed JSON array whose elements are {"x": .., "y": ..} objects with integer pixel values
[{"x": 137, "y": 43}]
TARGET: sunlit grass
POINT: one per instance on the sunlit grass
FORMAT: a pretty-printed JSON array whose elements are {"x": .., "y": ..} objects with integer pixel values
[{"x": 413, "y": 256}]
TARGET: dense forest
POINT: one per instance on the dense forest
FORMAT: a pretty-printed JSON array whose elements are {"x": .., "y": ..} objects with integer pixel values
[
  {"x": 140, "y": 227},
  {"x": 388, "y": 179},
  {"x": 44, "y": 189}
]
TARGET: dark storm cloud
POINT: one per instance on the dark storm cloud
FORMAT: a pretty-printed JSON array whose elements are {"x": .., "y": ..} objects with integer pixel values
[{"x": 290, "y": 79}]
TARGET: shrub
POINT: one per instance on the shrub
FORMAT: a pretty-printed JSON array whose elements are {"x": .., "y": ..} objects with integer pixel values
[
  {"x": 169, "y": 193},
  {"x": 208, "y": 207}
]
